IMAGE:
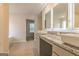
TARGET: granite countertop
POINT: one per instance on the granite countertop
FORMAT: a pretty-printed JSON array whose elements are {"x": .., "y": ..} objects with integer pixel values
[
  {"x": 72, "y": 39},
  {"x": 71, "y": 35},
  {"x": 71, "y": 48},
  {"x": 50, "y": 38}
]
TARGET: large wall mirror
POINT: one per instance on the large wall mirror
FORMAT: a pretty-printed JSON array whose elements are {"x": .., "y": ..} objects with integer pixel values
[
  {"x": 60, "y": 16},
  {"x": 76, "y": 21}
]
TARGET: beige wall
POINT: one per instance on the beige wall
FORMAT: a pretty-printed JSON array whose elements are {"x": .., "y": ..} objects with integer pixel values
[
  {"x": 76, "y": 22},
  {"x": 38, "y": 22},
  {"x": 4, "y": 28},
  {"x": 17, "y": 26}
]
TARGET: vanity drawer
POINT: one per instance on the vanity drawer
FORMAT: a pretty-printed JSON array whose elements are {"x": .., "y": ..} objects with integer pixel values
[{"x": 60, "y": 51}]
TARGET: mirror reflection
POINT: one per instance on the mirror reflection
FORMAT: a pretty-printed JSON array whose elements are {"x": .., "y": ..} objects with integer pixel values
[
  {"x": 60, "y": 16},
  {"x": 48, "y": 20}
]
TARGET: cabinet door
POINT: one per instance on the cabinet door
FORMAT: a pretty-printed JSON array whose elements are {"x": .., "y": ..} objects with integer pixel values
[
  {"x": 61, "y": 52},
  {"x": 45, "y": 48}
]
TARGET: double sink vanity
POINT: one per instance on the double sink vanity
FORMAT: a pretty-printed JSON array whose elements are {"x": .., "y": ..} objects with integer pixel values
[
  {"x": 57, "y": 43},
  {"x": 60, "y": 33}
]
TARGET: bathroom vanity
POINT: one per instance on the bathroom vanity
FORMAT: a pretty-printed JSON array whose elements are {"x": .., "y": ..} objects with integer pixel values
[
  {"x": 63, "y": 39},
  {"x": 57, "y": 43}
]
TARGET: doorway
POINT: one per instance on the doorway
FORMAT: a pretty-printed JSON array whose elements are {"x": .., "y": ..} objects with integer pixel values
[{"x": 30, "y": 30}]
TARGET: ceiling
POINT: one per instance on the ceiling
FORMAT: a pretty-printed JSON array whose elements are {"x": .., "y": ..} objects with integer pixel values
[{"x": 28, "y": 8}]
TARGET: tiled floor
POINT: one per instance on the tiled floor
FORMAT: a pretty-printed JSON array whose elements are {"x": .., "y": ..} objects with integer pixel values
[{"x": 22, "y": 49}]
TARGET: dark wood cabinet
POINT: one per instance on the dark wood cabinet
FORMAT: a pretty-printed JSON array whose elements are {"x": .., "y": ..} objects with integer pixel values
[{"x": 45, "y": 48}]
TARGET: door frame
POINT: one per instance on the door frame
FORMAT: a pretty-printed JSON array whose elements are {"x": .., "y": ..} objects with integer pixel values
[{"x": 28, "y": 34}]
